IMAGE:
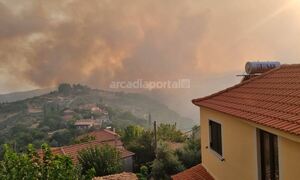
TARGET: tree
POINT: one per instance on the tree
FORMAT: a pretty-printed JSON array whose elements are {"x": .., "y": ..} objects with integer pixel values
[
  {"x": 190, "y": 154},
  {"x": 20, "y": 136},
  {"x": 168, "y": 132},
  {"x": 65, "y": 88},
  {"x": 196, "y": 132},
  {"x": 63, "y": 137},
  {"x": 29, "y": 165},
  {"x": 140, "y": 142},
  {"x": 166, "y": 163},
  {"x": 78, "y": 88},
  {"x": 144, "y": 173},
  {"x": 52, "y": 117},
  {"x": 131, "y": 133},
  {"x": 103, "y": 160}
]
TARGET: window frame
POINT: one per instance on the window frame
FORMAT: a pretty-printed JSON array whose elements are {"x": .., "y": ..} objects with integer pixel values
[{"x": 215, "y": 151}]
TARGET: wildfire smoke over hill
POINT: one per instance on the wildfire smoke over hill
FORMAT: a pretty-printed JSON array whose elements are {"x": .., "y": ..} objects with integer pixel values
[{"x": 43, "y": 43}]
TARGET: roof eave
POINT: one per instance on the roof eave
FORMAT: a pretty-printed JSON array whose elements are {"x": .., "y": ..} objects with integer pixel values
[{"x": 197, "y": 101}]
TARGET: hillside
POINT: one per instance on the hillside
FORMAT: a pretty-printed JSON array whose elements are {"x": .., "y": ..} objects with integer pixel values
[
  {"x": 41, "y": 118},
  {"x": 138, "y": 104},
  {"x": 17, "y": 96}
]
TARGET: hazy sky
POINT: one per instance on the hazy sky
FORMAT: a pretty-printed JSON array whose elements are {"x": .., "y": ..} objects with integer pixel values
[{"x": 43, "y": 43}]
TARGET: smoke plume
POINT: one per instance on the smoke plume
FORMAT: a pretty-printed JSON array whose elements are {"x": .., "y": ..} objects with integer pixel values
[{"x": 43, "y": 43}]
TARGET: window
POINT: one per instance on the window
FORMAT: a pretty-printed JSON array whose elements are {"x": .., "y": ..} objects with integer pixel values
[
  {"x": 215, "y": 137},
  {"x": 268, "y": 156}
]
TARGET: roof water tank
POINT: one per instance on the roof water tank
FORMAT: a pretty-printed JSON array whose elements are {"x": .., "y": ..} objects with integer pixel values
[{"x": 260, "y": 67}]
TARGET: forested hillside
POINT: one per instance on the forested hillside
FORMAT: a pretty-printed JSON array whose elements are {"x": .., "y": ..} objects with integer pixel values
[{"x": 43, "y": 118}]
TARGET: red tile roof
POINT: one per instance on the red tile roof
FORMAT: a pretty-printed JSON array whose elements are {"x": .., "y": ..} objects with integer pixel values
[
  {"x": 102, "y": 135},
  {"x": 197, "y": 172},
  {"x": 73, "y": 150},
  {"x": 271, "y": 99}
]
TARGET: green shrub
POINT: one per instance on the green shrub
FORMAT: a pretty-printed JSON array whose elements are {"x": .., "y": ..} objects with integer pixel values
[
  {"x": 103, "y": 160},
  {"x": 29, "y": 165}
]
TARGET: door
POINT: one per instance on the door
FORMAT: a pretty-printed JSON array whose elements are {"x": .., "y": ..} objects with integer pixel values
[{"x": 269, "y": 168}]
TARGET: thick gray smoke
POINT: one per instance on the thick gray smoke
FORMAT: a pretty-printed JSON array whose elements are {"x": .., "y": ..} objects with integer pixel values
[
  {"x": 43, "y": 43},
  {"x": 97, "y": 41}
]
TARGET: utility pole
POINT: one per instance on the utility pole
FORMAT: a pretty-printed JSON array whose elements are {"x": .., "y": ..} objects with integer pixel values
[
  {"x": 149, "y": 120},
  {"x": 155, "y": 138}
]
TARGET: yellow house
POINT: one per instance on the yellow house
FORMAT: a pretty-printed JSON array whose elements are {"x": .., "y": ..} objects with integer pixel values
[{"x": 251, "y": 130}]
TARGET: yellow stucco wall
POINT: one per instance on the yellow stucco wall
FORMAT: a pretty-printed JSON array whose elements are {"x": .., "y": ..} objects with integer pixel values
[
  {"x": 239, "y": 148},
  {"x": 289, "y": 159},
  {"x": 239, "y": 142}
]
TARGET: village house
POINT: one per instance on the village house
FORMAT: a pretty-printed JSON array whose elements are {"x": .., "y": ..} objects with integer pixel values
[
  {"x": 102, "y": 137},
  {"x": 88, "y": 106},
  {"x": 251, "y": 130},
  {"x": 68, "y": 114},
  {"x": 96, "y": 110},
  {"x": 87, "y": 123},
  {"x": 100, "y": 113},
  {"x": 104, "y": 117}
]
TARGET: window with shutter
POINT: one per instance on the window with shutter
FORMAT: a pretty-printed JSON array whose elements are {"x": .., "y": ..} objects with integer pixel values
[{"x": 215, "y": 137}]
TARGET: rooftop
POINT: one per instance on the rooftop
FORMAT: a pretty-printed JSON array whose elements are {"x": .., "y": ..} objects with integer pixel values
[
  {"x": 103, "y": 135},
  {"x": 86, "y": 122},
  {"x": 197, "y": 172},
  {"x": 73, "y": 150},
  {"x": 271, "y": 99}
]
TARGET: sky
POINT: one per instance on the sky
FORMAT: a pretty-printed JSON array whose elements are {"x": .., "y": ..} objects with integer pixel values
[{"x": 95, "y": 42}]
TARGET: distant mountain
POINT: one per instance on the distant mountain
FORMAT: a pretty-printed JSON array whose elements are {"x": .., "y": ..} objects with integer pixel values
[
  {"x": 138, "y": 104},
  {"x": 39, "y": 117},
  {"x": 17, "y": 96}
]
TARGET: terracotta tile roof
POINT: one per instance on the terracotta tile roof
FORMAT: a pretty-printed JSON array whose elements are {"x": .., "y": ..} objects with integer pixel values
[
  {"x": 121, "y": 176},
  {"x": 73, "y": 150},
  {"x": 197, "y": 172},
  {"x": 101, "y": 135},
  {"x": 271, "y": 99}
]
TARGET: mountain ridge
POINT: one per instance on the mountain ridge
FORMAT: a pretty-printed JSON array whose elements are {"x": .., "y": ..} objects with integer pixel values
[
  {"x": 21, "y": 95},
  {"x": 38, "y": 119}
]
